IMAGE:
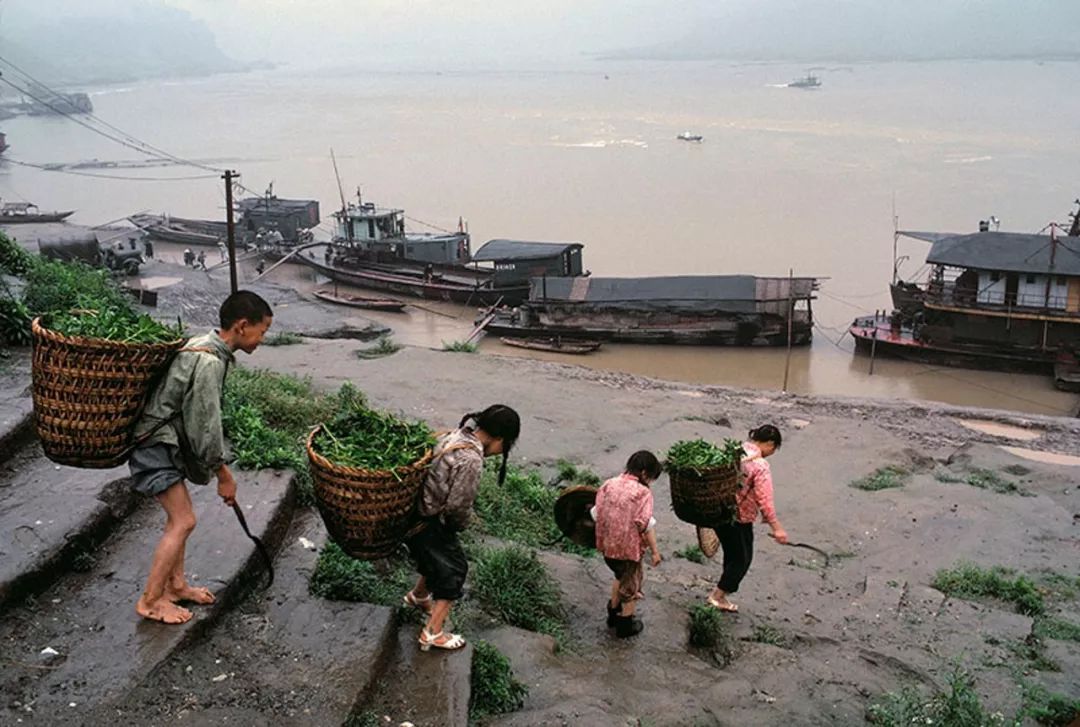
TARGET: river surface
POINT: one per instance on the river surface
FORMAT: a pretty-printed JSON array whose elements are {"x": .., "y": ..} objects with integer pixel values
[{"x": 785, "y": 179}]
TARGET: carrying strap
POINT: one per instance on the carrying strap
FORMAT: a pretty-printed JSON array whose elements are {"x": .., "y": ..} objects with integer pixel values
[{"x": 139, "y": 441}]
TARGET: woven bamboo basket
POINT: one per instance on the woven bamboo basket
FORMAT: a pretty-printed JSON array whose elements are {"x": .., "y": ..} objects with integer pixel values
[
  {"x": 367, "y": 512},
  {"x": 572, "y": 514},
  {"x": 705, "y": 497},
  {"x": 88, "y": 394}
]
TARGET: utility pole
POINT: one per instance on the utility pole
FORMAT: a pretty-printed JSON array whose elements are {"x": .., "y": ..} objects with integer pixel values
[
  {"x": 229, "y": 176},
  {"x": 790, "y": 316}
]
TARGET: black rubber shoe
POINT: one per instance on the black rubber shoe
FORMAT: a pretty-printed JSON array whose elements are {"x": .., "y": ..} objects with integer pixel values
[
  {"x": 612, "y": 614},
  {"x": 627, "y": 626}
]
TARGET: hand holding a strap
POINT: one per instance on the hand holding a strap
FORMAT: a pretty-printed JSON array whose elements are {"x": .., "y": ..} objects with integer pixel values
[{"x": 226, "y": 487}]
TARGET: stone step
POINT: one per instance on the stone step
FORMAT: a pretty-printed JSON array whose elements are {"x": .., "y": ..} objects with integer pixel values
[
  {"x": 16, "y": 406},
  {"x": 51, "y": 516},
  {"x": 102, "y": 648},
  {"x": 288, "y": 657},
  {"x": 425, "y": 688}
]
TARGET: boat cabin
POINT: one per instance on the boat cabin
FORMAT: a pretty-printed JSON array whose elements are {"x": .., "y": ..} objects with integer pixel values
[
  {"x": 380, "y": 231},
  {"x": 519, "y": 260},
  {"x": 290, "y": 217},
  {"x": 1004, "y": 272}
]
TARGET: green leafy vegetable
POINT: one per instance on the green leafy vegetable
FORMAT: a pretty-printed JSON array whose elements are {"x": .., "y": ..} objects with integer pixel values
[{"x": 700, "y": 455}]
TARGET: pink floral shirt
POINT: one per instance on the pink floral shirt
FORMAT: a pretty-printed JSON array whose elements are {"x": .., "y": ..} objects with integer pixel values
[
  {"x": 756, "y": 494},
  {"x": 624, "y": 509}
]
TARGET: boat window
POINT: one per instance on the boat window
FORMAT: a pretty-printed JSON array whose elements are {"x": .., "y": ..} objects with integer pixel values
[{"x": 1031, "y": 280}]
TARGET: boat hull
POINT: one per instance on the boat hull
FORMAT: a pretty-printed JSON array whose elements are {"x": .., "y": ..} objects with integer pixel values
[
  {"x": 552, "y": 345},
  {"x": 697, "y": 336},
  {"x": 35, "y": 219},
  {"x": 373, "y": 279},
  {"x": 357, "y": 302}
]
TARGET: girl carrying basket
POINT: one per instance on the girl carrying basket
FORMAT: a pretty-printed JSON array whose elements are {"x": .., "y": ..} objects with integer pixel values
[{"x": 445, "y": 506}]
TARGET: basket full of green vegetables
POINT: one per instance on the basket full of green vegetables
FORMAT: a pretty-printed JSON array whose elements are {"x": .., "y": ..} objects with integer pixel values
[
  {"x": 91, "y": 374},
  {"x": 704, "y": 479},
  {"x": 367, "y": 468}
]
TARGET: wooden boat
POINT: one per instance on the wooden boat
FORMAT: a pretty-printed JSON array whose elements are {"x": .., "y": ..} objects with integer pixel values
[
  {"x": 183, "y": 231},
  {"x": 555, "y": 345},
  {"x": 356, "y": 301},
  {"x": 15, "y": 213}
]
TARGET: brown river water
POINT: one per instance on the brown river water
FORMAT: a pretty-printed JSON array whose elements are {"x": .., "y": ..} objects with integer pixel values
[{"x": 785, "y": 179}]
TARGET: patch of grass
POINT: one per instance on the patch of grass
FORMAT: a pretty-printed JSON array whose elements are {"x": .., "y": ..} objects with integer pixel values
[
  {"x": 709, "y": 630},
  {"x": 366, "y": 718},
  {"x": 573, "y": 474},
  {"x": 765, "y": 634},
  {"x": 946, "y": 477},
  {"x": 339, "y": 577},
  {"x": 969, "y": 581},
  {"x": 521, "y": 509},
  {"x": 513, "y": 586},
  {"x": 1032, "y": 653},
  {"x": 1048, "y": 708},
  {"x": 989, "y": 480},
  {"x": 959, "y": 706},
  {"x": 494, "y": 688},
  {"x": 459, "y": 347},
  {"x": 83, "y": 562},
  {"x": 844, "y": 554},
  {"x": 385, "y": 346},
  {"x": 1060, "y": 586},
  {"x": 883, "y": 478},
  {"x": 691, "y": 553},
  {"x": 1057, "y": 629},
  {"x": 284, "y": 338}
]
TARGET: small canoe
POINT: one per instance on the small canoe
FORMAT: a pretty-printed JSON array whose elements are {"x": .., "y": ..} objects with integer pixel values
[
  {"x": 554, "y": 345},
  {"x": 356, "y": 301}
]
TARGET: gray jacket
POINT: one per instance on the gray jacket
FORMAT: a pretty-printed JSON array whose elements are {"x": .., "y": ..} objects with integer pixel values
[{"x": 193, "y": 387}]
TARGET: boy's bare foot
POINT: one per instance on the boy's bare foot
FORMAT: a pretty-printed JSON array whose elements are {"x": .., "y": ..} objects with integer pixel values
[
  {"x": 163, "y": 610},
  {"x": 194, "y": 594}
]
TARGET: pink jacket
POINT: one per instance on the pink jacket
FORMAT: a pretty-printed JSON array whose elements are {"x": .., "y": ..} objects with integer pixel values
[
  {"x": 624, "y": 509},
  {"x": 756, "y": 494}
]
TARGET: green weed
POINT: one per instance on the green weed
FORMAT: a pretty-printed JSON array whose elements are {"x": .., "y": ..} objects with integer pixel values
[
  {"x": 989, "y": 480},
  {"x": 573, "y": 474},
  {"x": 494, "y": 688},
  {"x": 367, "y": 718},
  {"x": 967, "y": 580},
  {"x": 691, "y": 553},
  {"x": 883, "y": 478},
  {"x": 14, "y": 260},
  {"x": 709, "y": 630},
  {"x": 284, "y": 338},
  {"x": 385, "y": 346},
  {"x": 1058, "y": 629},
  {"x": 765, "y": 634},
  {"x": 459, "y": 347},
  {"x": 1048, "y": 708},
  {"x": 513, "y": 586},
  {"x": 1032, "y": 653},
  {"x": 960, "y": 706},
  {"x": 339, "y": 577}
]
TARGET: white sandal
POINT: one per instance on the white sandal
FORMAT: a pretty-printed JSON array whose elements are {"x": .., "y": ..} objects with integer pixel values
[
  {"x": 421, "y": 604},
  {"x": 428, "y": 640}
]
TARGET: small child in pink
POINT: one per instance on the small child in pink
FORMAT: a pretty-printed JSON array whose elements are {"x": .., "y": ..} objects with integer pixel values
[{"x": 624, "y": 528}]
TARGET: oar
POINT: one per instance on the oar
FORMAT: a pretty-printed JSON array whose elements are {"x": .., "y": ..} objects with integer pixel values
[{"x": 263, "y": 552}]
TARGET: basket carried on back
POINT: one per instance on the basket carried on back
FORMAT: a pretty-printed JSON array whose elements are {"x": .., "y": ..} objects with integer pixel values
[
  {"x": 367, "y": 512},
  {"x": 88, "y": 394},
  {"x": 572, "y": 515},
  {"x": 705, "y": 497}
]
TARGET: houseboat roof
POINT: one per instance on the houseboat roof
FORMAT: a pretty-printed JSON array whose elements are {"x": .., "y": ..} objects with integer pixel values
[
  {"x": 275, "y": 205},
  {"x": 734, "y": 292},
  {"x": 1007, "y": 252},
  {"x": 522, "y": 250}
]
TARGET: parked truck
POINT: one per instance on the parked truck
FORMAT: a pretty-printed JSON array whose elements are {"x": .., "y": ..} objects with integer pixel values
[{"x": 119, "y": 253}]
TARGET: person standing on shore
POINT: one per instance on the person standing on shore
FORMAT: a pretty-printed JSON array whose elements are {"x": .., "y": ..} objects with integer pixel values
[
  {"x": 625, "y": 526},
  {"x": 445, "y": 506},
  {"x": 180, "y": 439},
  {"x": 754, "y": 497}
]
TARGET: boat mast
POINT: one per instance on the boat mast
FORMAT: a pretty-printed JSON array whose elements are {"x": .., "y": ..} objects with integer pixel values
[
  {"x": 345, "y": 221},
  {"x": 1074, "y": 229},
  {"x": 895, "y": 239}
]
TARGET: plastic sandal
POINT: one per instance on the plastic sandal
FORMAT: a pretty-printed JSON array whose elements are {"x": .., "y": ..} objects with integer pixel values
[
  {"x": 428, "y": 640},
  {"x": 422, "y": 604},
  {"x": 726, "y": 608}
]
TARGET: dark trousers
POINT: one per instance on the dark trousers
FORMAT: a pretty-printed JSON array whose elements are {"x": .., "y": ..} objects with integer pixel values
[{"x": 737, "y": 541}]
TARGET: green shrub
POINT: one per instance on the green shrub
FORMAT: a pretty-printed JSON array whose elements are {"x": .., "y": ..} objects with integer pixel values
[
  {"x": 494, "y": 688},
  {"x": 385, "y": 346},
  {"x": 970, "y": 581},
  {"x": 55, "y": 287},
  {"x": 571, "y": 473},
  {"x": 691, "y": 553},
  {"x": 366, "y": 718},
  {"x": 14, "y": 260},
  {"x": 883, "y": 478},
  {"x": 339, "y": 577},
  {"x": 14, "y": 322},
  {"x": 709, "y": 630},
  {"x": 765, "y": 634},
  {"x": 513, "y": 586},
  {"x": 989, "y": 480},
  {"x": 960, "y": 706}
]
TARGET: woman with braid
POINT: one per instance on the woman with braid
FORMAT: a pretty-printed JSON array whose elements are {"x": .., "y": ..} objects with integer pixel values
[{"x": 445, "y": 506}]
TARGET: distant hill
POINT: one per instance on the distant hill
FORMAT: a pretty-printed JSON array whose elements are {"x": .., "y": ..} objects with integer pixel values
[
  {"x": 847, "y": 30},
  {"x": 136, "y": 44}
]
